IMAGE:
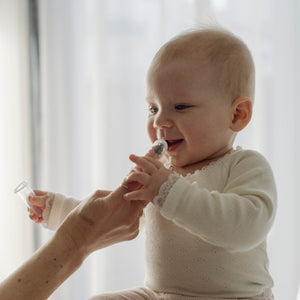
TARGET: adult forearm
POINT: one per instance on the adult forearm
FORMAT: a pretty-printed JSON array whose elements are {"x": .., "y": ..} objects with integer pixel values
[
  {"x": 43, "y": 272},
  {"x": 95, "y": 223}
]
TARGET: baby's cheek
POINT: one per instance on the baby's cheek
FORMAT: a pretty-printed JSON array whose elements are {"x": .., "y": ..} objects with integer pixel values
[{"x": 151, "y": 131}]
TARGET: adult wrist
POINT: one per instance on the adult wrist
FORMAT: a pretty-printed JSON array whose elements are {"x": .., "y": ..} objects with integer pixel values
[{"x": 73, "y": 253}]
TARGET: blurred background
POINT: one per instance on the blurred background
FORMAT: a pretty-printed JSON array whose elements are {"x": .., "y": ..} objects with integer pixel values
[{"x": 72, "y": 110}]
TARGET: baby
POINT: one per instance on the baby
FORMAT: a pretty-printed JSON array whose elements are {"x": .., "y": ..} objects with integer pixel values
[{"x": 210, "y": 206}]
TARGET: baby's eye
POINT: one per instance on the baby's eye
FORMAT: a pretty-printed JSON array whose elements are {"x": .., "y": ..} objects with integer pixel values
[
  {"x": 181, "y": 106},
  {"x": 153, "y": 110}
]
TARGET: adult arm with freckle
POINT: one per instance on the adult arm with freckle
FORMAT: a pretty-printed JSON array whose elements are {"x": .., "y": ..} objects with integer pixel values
[
  {"x": 236, "y": 217},
  {"x": 95, "y": 223}
]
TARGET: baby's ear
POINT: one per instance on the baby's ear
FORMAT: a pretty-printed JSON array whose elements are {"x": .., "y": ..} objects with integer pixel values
[{"x": 241, "y": 113}]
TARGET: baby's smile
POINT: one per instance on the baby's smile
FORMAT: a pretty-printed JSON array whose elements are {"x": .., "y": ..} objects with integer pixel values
[{"x": 173, "y": 144}]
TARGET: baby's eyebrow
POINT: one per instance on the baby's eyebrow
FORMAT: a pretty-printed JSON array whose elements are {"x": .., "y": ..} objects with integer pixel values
[
  {"x": 150, "y": 101},
  {"x": 149, "y": 98}
]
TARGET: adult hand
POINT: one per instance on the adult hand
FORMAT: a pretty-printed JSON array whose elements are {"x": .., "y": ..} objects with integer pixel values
[
  {"x": 96, "y": 223},
  {"x": 102, "y": 221}
]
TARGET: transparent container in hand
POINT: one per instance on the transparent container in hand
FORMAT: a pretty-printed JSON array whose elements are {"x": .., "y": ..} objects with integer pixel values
[{"x": 23, "y": 190}]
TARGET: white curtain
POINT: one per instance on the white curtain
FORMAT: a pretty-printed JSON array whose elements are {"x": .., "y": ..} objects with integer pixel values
[
  {"x": 94, "y": 55},
  {"x": 16, "y": 232}
]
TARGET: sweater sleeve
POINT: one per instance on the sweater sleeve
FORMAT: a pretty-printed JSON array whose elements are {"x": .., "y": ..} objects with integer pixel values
[
  {"x": 237, "y": 218},
  {"x": 58, "y": 208}
]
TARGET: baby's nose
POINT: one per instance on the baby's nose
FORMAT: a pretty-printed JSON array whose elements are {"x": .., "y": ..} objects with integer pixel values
[{"x": 162, "y": 121}]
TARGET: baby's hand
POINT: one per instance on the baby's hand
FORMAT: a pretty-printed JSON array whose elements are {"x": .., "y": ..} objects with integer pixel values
[
  {"x": 38, "y": 202},
  {"x": 150, "y": 174}
]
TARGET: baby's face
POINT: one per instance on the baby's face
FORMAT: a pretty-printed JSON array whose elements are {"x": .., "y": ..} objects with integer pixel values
[{"x": 186, "y": 112}]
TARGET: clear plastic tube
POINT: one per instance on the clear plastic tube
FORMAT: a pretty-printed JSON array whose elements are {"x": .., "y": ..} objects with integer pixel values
[
  {"x": 24, "y": 191},
  {"x": 159, "y": 147}
]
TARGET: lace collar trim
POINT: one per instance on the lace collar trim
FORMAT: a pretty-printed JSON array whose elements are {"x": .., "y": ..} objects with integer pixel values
[{"x": 211, "y": 164}]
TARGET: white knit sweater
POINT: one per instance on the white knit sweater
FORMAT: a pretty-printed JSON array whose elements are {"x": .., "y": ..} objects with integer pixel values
[{"x": 208, "y": 238}]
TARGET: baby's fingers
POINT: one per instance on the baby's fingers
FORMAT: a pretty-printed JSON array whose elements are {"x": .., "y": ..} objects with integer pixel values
[
  {"x": 139, "y": 195},
  {"x": 34, "y": 217},
  {"x": 146, "y": 164},
  {"x": 38, "y": 201},
  {"x": 40, "y": 193},
  {"x": 140, "y": 177}
]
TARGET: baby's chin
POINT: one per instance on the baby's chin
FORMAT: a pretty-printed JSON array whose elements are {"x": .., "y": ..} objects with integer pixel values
[{"x": 175, "y": 163}]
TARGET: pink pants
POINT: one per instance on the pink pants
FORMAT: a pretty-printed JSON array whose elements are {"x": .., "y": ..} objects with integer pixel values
[{"x": 147, "y": 294}]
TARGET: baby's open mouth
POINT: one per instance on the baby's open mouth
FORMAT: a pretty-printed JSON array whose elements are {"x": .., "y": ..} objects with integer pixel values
[{"x": 173, "y": 144}]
